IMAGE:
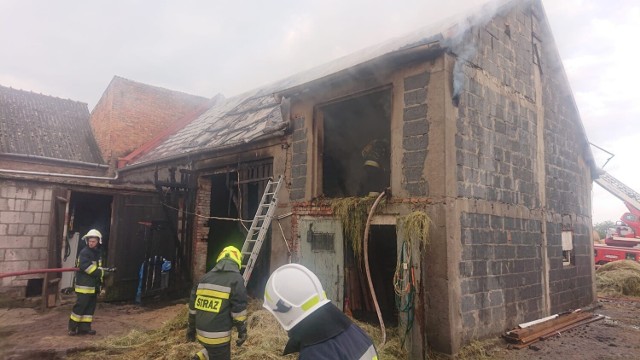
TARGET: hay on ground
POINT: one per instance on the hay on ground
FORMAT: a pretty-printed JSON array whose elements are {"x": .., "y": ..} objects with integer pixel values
[
  {"x": 619, "y": 278},
  {"x": 266, "y": 341}
]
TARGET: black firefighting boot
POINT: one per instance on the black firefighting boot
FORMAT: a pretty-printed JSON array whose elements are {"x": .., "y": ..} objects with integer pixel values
[{"x": 73, "y": 328}]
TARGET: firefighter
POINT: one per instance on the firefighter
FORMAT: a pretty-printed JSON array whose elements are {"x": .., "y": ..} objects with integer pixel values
[
  {"x": 218, "y": 303},
  {"x": 375, "y": 168},
  {"x": 317, "y": 329},
  {"x": 89, "y": 278}
]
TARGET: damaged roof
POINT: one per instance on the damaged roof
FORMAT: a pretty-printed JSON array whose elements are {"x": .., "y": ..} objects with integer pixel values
[
  {"x": 44, "y": 126},
  {"x": 258, "y": 113},
  {"x": 228, "y": 123}
]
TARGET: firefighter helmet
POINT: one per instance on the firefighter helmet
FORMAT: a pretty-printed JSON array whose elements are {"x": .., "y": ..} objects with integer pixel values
[
  {"x": 93, "y": 233},
  {"x": 292, "y": 293},
  {"x": 231, "y": 252}
]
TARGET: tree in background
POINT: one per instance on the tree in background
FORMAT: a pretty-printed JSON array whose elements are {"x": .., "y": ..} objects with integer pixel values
[{"x": 602, "y": 227}]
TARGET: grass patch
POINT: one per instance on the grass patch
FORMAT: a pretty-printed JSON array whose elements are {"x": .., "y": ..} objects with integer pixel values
[{"x": 619, "y": 278}]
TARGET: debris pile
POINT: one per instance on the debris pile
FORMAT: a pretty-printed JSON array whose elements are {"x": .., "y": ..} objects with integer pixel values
[
  {"x": 532, "y": 332},
  {"x": 619, "y": 278}
]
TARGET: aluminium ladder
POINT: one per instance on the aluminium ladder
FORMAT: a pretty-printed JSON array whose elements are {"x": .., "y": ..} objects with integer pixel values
[
  {"x": 618, "y": 189},
  {"x": 259, "y": 227}
]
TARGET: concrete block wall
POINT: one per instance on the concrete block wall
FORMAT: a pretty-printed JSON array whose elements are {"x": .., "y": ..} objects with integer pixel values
[
  {"x": 520, "y": 147},
  {"x": 496, "y": 126},
  {"x": 570, "y": 285},
  {"x": 25, "y": 212},
  {"x": 500, "y": 279},
  {"x": 415, "y": 134}
]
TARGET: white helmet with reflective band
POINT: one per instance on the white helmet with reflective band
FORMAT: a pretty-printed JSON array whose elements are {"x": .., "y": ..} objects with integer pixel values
[
  {"x": 93, "y": 233},
  {"x": 292, "y": 293}
]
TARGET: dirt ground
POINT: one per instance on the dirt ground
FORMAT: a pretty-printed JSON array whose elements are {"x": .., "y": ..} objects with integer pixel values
[
  {"x": 26, "y": 333},
  {"x": 615, "y": 337}
]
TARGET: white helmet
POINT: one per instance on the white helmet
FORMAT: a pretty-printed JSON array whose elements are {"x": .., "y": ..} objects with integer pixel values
[
  {"x": 292, "y": 293},
  {"x": 93, "y": 233}
]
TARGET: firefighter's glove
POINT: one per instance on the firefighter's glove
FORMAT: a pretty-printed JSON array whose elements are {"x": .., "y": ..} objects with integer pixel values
[
  {"x": 191, "y": 335},
  {"x": 242, "y": 333}
]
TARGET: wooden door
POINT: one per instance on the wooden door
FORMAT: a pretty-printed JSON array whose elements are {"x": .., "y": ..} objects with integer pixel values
[{"x": 322, "y": 251}]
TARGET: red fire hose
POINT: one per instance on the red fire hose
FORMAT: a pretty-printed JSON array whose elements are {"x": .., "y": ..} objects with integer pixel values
[{"x": 36, "y": 271}]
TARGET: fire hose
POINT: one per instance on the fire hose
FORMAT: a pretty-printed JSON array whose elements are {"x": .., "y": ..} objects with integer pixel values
[
  {"x": 43, "y": 271},
  {"x": 366, "y": 265}
]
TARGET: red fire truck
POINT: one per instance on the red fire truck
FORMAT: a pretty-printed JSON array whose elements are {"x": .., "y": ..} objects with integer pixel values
[
  {"x": 605, "y": 253},
  {"x": 623, "y": 240}
]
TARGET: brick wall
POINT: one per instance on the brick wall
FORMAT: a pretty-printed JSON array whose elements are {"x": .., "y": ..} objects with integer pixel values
[
  {"x": 201, "y": 236},
  {"x": 415, "y": 132},
  {"x": 24, "y": 228},
  {"x": 129, "y": 114}
]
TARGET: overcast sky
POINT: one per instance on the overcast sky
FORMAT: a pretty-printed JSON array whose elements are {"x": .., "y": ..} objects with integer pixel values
[{"x": 72, "y": 49}]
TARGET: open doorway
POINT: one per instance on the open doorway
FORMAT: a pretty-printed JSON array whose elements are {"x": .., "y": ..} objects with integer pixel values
[
  {"x": 224, "y": 205},
  {"x": 90, "y": 211},
  {"x": 382, "y": 266},
  {"x": 355, "y": 147},
  {"x": 235, "y": 195}
]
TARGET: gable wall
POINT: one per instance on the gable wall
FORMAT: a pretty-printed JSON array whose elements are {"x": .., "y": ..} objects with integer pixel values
[
  {"x": 130, "y": 114},
  {"x": 517, "y": 139}
]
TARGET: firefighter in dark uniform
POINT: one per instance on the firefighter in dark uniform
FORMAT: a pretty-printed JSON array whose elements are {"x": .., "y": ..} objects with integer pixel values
[
  {"x": 375, "y": 168},
  {"x": 88, "y": 280},
  {"x": 317, "y": 329},
  {"x": 218, "y": 303}
]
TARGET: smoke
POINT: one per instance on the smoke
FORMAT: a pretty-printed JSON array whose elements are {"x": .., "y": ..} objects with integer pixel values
[
  {"x": 464, "y": 54},
  {"x": 461, "y": 43}
]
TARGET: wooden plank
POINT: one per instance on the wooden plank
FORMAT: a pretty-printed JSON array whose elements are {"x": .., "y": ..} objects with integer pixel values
[
  {"x": 521, "y": 333},
  {"x": 531, "y": 337},
  {"x": 593, "y": 318},
  {"x": 579, "y": 317}
]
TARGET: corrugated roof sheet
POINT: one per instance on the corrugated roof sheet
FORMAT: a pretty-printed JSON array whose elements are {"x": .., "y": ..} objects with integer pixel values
[
  {"x": 246, "y": 117},
  {"x": 39, "y": 125}
]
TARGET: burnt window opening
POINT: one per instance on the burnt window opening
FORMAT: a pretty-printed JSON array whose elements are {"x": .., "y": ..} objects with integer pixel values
[
  {"x": 355, "y": 149},
  {"x": 236, "y": 194}
]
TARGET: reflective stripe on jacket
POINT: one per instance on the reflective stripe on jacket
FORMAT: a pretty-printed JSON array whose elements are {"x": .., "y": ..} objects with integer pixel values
[
  {"x": 90, "y": 274},
  {"x": 217, "y": 302}
]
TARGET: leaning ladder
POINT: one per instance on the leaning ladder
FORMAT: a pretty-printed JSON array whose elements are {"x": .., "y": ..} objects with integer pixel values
[
  {"x": 618, "y": 189},
  {"x": 259, "y": 227}
]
